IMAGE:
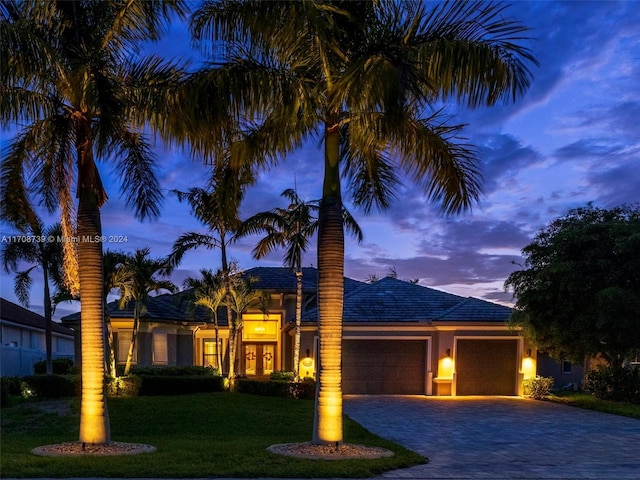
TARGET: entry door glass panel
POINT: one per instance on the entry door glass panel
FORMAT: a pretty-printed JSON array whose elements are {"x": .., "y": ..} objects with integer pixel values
[
  {"x": 250, "y": 357},
  {"x": 268, "y": 359}
]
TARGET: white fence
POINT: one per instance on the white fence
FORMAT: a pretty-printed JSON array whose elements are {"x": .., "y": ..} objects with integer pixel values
[{"x": 18, "y": 361}]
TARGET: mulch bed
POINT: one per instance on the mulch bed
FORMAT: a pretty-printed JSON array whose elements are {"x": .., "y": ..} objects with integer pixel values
[
  {"x": 72, "y": 449},
  {"x": 344, "y": 451}
]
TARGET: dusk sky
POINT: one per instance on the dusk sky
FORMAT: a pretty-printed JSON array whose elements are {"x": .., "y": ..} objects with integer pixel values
[{"x": 573, "y": 138}]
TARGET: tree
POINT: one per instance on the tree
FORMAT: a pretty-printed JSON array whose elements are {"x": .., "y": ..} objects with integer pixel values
[
  {"x": 217, "y": 208},
  {"x": 209, "y": 292},
  {"x": 578, "y": 294},
  {"x": 143, "y": 282},
  {"x": 73, "y": 82},
  {"x": 364, "y": 77},
  {"x": 40, "y": 247},
  {"x": 291, "y": 228}
]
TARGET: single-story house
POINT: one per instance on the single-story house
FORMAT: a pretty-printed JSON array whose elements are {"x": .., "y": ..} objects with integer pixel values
[
  {"x": 399, "y": 337},
  {"x": 22, "y": 339}
]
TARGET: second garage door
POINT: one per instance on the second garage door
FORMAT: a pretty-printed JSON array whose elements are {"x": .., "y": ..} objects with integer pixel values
[
  {"x": 486, "y": 367},
  {"x": 384, "y": 366}
]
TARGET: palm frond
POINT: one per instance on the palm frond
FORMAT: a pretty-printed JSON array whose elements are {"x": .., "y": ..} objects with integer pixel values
[{"x": 190, "y": 241}]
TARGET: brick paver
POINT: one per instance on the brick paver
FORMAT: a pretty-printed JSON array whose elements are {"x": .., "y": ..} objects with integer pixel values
[{"x": 502, "y": 437}]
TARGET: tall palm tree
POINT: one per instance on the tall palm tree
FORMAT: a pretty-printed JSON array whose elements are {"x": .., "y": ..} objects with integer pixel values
[
  {"x": 41, "y": 248},
  {"x": 217, "y": 208},
  {"x": 368, "y": 79},
  {"x": 143, "y": 272},
  {"x": 209, "y": 292},
  {"x": 116, "y": 276},
  {"x": 73, "y": 83},
  {"x": 291, "y": 228}
]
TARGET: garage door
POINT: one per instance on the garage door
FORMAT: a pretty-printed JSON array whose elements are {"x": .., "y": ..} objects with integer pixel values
[
  {"x": 383, "y": 366},
  {"x": 486, "y": 367}
]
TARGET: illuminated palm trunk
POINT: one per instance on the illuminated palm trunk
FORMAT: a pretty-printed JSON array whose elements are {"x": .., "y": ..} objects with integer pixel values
[
  {"x": 94, "y": 416},
  {"x": 328, "y": 412},
  {"x": 296, "y": 341}
]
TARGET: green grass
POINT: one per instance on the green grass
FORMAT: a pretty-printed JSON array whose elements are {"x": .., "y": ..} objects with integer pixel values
[
  {"x": 205, "y": 435},
  {"x": 588, "y": 401}
]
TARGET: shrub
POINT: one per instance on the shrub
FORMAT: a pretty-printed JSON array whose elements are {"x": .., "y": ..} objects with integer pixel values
[
  {"x": 618, "y": 384},
  {"x": 51, "y": 386},
  {"x": 124, "y": 386},
  {"x": 277, "y": 388},
  {"x": 8, "y": 386},
  {"x": 281, "y": 375},
  {"x": 61, "y": 366},
  {"x": 538, "y": 388},
  {"x": 175, "y": 371},
  {"x": 180, "y": 385}
]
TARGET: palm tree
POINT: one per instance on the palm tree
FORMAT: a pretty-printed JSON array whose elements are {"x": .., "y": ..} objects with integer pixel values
[
  {"x": 143, "y": 282},
  {"x": 209, "y": 292},
  {"x": 217, "y": 208},
  {"x": 74, "y": 84},
  {"x": 368, "y": 79},
  {"x": 291, "y": 228},
  {"x": 40, "y": 247},
  {"x": 116, "y": 276}
]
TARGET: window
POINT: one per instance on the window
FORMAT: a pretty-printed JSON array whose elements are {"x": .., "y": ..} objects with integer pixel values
[
  {"x": 124, "y": 341},
  {"x": 210, "y": 352},
  {"x": 566, "y": 367},
  {"x": 160, "y": 350}
]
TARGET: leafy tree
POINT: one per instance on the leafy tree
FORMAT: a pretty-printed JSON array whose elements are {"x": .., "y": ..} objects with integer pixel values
[
  {"x": 363, "y": 77},
  {"x": 578, "y": 294},
  {"x": 43, "y": 254},
  {"x": 142, "y": 271},
  {"x": 291, "y": 228},
  {"x": 73, "y": 83}
]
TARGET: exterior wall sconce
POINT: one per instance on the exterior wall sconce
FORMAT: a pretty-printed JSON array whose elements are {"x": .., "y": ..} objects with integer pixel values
[
  {"x": 448, "y": 353},
  {"x": 529, "y": 353}
]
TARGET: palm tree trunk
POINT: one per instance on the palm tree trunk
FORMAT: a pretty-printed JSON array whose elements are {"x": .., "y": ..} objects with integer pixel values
[
  {"x": 296, "y": 340},
  {"x": 94, "y": 416},
  {"x": 47, "y": 318},
  {"x": 134, "y": 336},
  {"x": 110, "y": 354},
  {"x": 328, "y": 407}
]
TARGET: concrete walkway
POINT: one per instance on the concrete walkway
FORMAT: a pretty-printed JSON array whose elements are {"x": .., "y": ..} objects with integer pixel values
[{"x": 502, "y": 437}]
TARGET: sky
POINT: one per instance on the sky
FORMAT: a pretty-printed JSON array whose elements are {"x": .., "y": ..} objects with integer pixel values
[{"x": 573, "y": 138}]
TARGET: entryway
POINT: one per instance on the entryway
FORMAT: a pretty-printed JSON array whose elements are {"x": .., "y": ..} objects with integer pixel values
[{"x": 259, "y": 358}]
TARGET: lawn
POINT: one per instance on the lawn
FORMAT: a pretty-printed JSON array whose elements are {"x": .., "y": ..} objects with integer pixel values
[
  {"x": 205, "y": 435},
  {"x": 588, "y": 401}
]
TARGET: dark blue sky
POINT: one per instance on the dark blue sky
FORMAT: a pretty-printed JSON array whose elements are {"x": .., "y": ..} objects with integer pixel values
[{"x": 573, "y": 138}]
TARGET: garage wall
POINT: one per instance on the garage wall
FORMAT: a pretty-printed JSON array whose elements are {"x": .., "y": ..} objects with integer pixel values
[{"x": 486, "y": 367}]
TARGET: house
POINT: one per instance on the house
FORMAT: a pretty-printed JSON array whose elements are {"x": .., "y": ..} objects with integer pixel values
[
  {"x": 22, "y": 339},
  {"x": 398, "y": 337}
]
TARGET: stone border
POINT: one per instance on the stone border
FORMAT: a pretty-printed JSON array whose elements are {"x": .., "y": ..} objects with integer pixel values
[
  {"x": 76, "y": 449},
  {"x": 344, "y": 451}
]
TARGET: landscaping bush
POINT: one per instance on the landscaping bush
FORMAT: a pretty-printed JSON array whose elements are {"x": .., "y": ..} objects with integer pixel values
[
  {"x": 277, "y": 388},
  {"x": 538, "y": 388},
  {"x": 175, "y": 371},
  {"x": 282, "y": 375},
  {"x": 618, "y": 384},
  {"x": 51, "y": 386},
  {"x": 8, "y": 386},
  {"x": 61, "y": 366},
  {"x": 124, "y": 386},
  {"x": 179, "y": 385}
]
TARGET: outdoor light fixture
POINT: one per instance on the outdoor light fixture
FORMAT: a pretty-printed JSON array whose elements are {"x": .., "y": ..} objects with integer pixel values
[
  {"x": 448, "y": 352},
  {"x": 529, "y": 353}
]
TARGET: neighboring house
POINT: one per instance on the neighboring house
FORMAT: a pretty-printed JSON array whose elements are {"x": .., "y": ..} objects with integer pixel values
[
  {"x": 399, "y": 337},
  {"x": 22, "y": 339}
]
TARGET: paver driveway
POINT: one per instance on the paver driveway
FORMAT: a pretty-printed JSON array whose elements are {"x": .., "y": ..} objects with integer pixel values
[{"x": 502, "y": 437}]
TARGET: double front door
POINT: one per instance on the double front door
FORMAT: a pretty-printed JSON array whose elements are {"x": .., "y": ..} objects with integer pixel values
[{"x": 259, "y": 358}]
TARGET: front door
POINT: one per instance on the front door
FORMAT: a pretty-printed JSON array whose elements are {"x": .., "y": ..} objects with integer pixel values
[{"x": 259, "y": 358}]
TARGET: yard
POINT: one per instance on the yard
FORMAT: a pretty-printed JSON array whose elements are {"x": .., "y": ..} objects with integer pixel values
[{"x": 204, "y": 435}]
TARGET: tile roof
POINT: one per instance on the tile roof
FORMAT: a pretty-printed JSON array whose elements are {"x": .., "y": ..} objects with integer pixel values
[
  {"x": 15, "y": 313},
  {"x": 393, "y": 300}
]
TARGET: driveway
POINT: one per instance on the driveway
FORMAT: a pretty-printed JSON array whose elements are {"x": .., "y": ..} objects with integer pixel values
[{"x": 502, "y": 437}]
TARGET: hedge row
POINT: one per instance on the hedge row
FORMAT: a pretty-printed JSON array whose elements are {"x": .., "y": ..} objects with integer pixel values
[{"x": 277, "y": 388}]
